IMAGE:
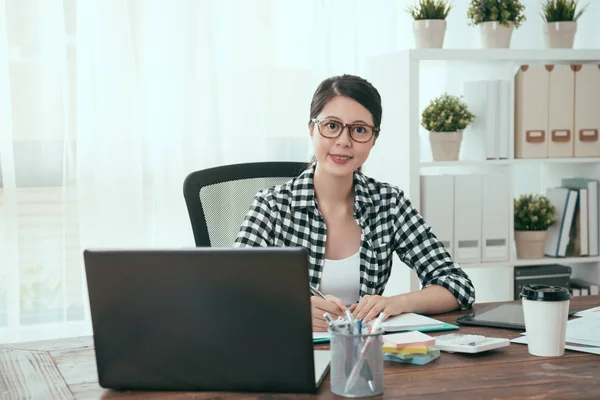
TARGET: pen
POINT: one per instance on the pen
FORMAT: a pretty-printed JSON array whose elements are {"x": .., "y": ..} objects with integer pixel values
[{"x": 316, "y": 292}]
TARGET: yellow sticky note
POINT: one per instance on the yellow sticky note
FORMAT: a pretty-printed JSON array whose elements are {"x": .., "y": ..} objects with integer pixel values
[{"x": 406, "y": 350}]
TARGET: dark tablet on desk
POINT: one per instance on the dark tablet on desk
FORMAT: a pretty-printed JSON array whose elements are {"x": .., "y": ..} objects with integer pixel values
[{"x": 507, "y": 316}]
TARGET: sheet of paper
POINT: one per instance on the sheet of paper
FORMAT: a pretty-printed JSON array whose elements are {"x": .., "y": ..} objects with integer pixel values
[
  {"x": 586, "y": 329},
  {"x": 590, "y": 312},
  {"x": 574, "y": 346},
  {"x": 321, "y": 335}
]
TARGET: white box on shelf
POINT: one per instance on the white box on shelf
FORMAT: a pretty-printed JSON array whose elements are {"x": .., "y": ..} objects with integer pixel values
[
  {"x": 495, "y": 217},
  {"x": 481, "y": 136},
  {"x": 560, "y": 111},
  {"x": 437, "y": 207},
  {"x": 587, "y": 111},
  {"x": 531, "y": 112},
  {"x": 505, "y": 118},
  {"x": 467, "y": 213}
]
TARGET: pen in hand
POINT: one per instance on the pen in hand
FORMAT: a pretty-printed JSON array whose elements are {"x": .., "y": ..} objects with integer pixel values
[{"x": 316, "y": 292}]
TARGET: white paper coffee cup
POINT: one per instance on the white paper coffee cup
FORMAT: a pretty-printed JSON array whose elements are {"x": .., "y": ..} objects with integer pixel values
[{"x": 546, "y": 311}]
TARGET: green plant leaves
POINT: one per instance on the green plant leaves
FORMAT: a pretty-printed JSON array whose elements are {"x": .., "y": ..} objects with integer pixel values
[
  {"x": 446, "y": 113},
  {"x": 502, "y": 11},
  {"x": 533, "y": 212},
  {"x": 561, "y": 10},
  {"x": 429, "y": 9}
]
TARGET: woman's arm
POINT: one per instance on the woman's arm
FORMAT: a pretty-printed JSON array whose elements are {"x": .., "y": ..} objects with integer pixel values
[
  {"x": 418, "y": 247},
  {"x": 433, "y": 299}
]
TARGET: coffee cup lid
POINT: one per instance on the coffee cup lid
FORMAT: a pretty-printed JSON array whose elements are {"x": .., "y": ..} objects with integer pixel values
[{"x": 545, "y": 293}]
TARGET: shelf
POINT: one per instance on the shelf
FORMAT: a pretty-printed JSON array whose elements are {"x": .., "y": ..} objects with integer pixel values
[
  {"x": 516, "y": 161},
  {"x": 560, "y": 260},
  {"x": 518, "y": 55},
  {"x": 542, "y": 261}
]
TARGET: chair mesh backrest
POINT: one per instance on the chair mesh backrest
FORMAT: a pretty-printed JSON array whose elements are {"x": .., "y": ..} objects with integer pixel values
[{"x": 225, "y": 205}]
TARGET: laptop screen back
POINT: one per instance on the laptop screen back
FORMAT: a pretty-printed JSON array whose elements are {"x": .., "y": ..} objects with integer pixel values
[{"x": 202, "y": 319}]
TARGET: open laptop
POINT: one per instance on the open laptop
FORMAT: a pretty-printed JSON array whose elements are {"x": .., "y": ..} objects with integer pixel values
[{"x": 206, "y": 319}]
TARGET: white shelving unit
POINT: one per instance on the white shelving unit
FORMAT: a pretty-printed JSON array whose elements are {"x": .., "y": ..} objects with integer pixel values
[{"x": 408, "y": 80}]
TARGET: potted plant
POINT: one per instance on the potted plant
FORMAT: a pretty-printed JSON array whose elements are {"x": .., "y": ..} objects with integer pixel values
[
  {"x": 561, "y": 22},
  {"x": 496, "y": 19},
  {"x": 445, "y": 118},
  {"x": 429, "y": 25},
  {"x": 533, "y": 215}
]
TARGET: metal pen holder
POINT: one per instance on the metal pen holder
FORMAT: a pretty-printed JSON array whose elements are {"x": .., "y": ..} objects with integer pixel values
[{"x": 356, "y": 364}]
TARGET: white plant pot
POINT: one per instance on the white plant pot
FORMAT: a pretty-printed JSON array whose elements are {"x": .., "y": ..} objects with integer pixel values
[
  {"x": 494, "y": 35},
  {"x": 429, "y": 33},
  {"x": 445, "y": 146},
  {"x": 560, "y": 35}
]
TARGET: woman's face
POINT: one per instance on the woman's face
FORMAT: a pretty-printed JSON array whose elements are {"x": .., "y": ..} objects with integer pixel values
[{"x": 342, "y": 156}]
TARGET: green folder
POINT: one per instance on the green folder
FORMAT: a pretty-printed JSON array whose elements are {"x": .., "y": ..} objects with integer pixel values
[{"x": 445, "y": 327}]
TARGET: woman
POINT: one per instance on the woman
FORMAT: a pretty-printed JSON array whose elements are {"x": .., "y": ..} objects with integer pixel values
[{"x": 352, "y": 224}]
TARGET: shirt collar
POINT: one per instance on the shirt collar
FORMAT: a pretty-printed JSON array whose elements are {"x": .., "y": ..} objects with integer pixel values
[{"x": 303, "y": 190}]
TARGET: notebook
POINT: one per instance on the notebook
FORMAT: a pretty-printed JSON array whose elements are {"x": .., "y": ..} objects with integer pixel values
[
  {"x": 402, "y": 322},
  {"x": 409, "y": 322}
]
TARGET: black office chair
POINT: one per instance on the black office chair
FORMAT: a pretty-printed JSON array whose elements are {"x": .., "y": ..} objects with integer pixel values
[{"x": 218, "y": 198}]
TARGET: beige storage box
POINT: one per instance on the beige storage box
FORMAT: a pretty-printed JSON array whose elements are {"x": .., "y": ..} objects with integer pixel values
[
  {"x": 532, "y": 85},
  {"x": 587, "y": 110}
]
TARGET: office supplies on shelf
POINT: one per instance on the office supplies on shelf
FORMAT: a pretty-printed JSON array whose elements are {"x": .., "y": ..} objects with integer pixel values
[
  {"x": 459, "y": 343},
  {"x": 531, "y": 115},
  {"x": 586, "y": 288},
  {"x": 587, "y": 118},
  {"x": 437, "y": 197},
  {"x": 467, "y": 210},
  {"x": 551, "y": 274},
  {"x": 564, "y": 201},
  {"x": 495, "y": 217},
  {"x": 561, "y": 97},
  {"x": 593, "y": 207}
]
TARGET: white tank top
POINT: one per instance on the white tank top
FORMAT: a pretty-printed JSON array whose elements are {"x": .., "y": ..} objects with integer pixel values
[{"x": 341, "y": 278}]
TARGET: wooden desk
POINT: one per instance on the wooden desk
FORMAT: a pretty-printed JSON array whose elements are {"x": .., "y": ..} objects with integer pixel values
[{"x": 66, "y": 369}]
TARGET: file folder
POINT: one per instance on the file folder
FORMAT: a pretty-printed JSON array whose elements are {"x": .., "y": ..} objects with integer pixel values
[
  {"x": 467, "y": 214},
  {"x": 495, "y": 217},
  {"x": 560, "y": 111},
  {"x": 587, "y": 114},
  {"x": 593, "y": 208},
  {"x": 565, "y": 201},
  {"x": 531, "y": 111},
  {"x": 437, "y": 207}
]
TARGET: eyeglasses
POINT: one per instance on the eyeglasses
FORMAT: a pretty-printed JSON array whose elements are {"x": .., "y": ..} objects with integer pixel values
[{"x": 331, "y": 129}]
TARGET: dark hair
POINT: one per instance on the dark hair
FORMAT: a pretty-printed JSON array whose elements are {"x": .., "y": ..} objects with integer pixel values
[{"x": 354, "y": 87}]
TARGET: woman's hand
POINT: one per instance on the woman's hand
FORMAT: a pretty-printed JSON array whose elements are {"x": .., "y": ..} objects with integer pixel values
[
  {"x": 335, "y": 307},
  {"x": 370, "y": 307}
]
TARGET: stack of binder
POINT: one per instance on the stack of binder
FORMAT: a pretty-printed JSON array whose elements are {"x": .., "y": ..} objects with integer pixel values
[
  {"x": 469, "y": 214},
  {"x": 556, "y": 111}
]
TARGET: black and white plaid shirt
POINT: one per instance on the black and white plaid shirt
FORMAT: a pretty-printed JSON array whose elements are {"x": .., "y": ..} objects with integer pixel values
[{"x": 287, "y": 215}]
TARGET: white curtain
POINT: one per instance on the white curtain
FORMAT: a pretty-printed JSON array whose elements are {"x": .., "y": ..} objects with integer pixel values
[{"x": 106, "y": 106}]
